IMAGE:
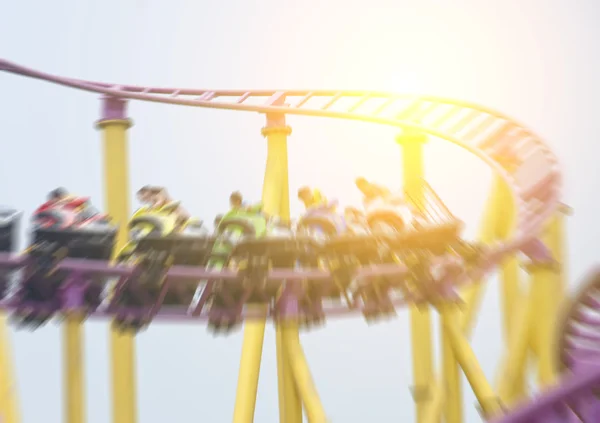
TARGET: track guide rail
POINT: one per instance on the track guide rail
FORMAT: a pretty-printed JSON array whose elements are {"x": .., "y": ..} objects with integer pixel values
[{"x": 514, "y": 152}]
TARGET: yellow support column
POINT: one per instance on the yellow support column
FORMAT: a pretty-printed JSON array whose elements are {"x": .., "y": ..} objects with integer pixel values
[
  {"x": 488, "y": 233},
  {"x": 488, "y": 400},
  {"x": 300, "y": 372},
  {"x": 420, "y": 317},
  {"x": 497, "y": 225},
  {"x": 275, "y": 200},
  {"x": 290, "y": 406},
  {"x": 293, "y": 357},
  {"x": 74, "y": 367},
  {"x": 113, "y": 125},
  {"x": 548, "y": 291},
  {"x": 9, "y": 404},
  {"x": 511, "y": 294},
  {"x": 513, "y": 366},
  {"x": 450, "y": 370},
  {"x": 543, "y": 278},
  {"x": 510, "y": 268}
]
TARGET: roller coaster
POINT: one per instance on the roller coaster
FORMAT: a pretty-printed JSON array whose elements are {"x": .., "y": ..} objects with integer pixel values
[{"x": 403, "y": 250}]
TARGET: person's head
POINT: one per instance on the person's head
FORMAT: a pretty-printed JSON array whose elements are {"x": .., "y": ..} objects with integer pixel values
[
  {"x": 58, "y": 194},
  {"x": 144, "y": 194},
  {"x": 305, "y": 195},
  {"x": 361, "y": 183},
  {"x": 236, "y": 199},
  {"x": 217, "y": 220}
]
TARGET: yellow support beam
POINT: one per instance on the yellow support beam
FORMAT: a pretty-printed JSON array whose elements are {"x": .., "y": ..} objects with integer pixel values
[
  {"x": 487, "y": 234},
  {"x": 497, "y": 225},
  {"x": 510, "y": 267},
  {"x": 548, "y": 287},
  {"x": 281, "y": 388},
  {"x": 514, "y": 363},
  {"x": 315, "y": 412},
  {"x": 9, "y": 403},
  {"x": 511, "y": 294},
  {"x": 493, "y": 226},
  {"x": 114, "y": 125},
  {"x": 247, "y": 388},
  {"x": 548, "y": 292},
  {"x": 275, "y": 200},
  {"x": 535, "y": 321},
  {"x": 74, "y": 368},
  {"x": 420, "y": 317},
  {"x": 450, "y": 370},
  {"x": 555, "y": 241},
  {"x": 290, "y": 407},
  {"x": 488, "y": 400}
]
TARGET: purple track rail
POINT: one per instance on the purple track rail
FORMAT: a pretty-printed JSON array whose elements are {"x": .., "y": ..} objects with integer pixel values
[
  {"x": 80, "y": 272},
  {"x": 575, "y": 399}
]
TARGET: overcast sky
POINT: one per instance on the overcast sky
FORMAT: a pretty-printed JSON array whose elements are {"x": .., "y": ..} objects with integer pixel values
[{"x": 536, "y": 60}]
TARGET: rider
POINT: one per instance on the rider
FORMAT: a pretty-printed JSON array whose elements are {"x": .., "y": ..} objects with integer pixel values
[
  {"x": 236, "y": 200},
  {"x": 155, "y": 197},
  {"x": 159, "y": 197},
  {"x": 371, "y": 190},
  {"x": 311, "y": 197},
  {"x": 57, "y": 195},
  {"x": 144, "y": 195}
]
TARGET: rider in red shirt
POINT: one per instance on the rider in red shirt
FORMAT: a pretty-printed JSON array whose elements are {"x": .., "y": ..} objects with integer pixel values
[{"x": 54, "y": 198}]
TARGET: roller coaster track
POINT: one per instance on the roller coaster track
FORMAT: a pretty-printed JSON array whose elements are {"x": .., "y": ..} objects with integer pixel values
[
  {"x": 578, "y": 350},
  {"x": 533, "y": 172},
  {"x": 514, "y": 152},
  {"x": 574, "y": 400},
  {"x": 579, "y": 339}
]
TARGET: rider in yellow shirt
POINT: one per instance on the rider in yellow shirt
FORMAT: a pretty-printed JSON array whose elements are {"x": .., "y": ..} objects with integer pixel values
[
  {"x": 155, "y": 198},
  {"x": 371, "y": 190},
  {"x": 311, "y": 197}
]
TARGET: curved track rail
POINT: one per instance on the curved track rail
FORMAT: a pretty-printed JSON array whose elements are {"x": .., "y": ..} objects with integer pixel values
[
  {"x": 578, "y": 351},
  {"x": 521, "y": 158},
  {"x": 579, "y": 339},
  {"x": 516, "y": 154},
  {"x": 574, "y": 400}
]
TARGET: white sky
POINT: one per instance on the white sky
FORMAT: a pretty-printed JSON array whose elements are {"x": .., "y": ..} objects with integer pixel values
[{"x": 535, "y": 60}]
